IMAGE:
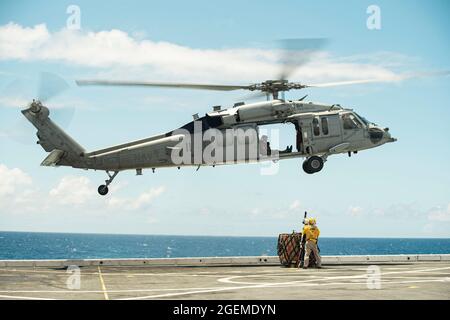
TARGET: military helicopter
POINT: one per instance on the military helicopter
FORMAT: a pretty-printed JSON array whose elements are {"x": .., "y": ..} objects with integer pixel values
[
  {"x": 224, "y": 135},
  {"x": 320, "y": 131}
]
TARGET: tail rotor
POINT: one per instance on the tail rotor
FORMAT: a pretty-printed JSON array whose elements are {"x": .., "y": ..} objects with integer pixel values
[{"x": 17, "y": 95}]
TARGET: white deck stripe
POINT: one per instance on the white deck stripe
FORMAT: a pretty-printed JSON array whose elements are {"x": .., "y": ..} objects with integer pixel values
[{"x": 24, "y": 298}]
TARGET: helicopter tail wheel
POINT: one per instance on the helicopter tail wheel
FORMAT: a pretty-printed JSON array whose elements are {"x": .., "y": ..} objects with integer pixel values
[
  {"x": 313, "y": 164},
  {"x": 103, "y": 190}
]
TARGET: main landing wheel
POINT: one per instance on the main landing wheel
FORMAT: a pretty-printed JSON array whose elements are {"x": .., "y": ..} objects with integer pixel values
[
  {"x": 313, "y": 164},
  {"x": 103, "y": 190}
]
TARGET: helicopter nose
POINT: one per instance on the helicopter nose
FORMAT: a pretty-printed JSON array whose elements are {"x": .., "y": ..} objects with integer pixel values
[
  {"x": 392, "y": 140},
  {"x": 387, "y": 136},
  {"x": 380, "y": 136}
]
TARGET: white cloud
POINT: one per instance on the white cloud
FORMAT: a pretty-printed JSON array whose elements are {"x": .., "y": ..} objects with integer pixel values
[
  {"x": 117, "y": 50},
  {"x": 289, "y": 211},
  {"x": 71, "y": 195},
  {"x": 17, "y": 42},
  {"x": 428, "y": 228},
  {"x": 355, "y": 211},
  {"x": 294, "y": 205},
  {"x": 255, "y": 212},
  {"x": 140, "y": 202},
  {"x": 205, "y": 211},
  {"x": 151, "y": 220},
  {"x": 440, "y": 214},
  {"x": 17, "y": 193},
  {"x": 14, "y": 102},
  {"x": 73, "y": 190},
  {"x": 403, "y": 211},
  {"x": 13, "y": 180},
  {"x": 395, "y": 211}
]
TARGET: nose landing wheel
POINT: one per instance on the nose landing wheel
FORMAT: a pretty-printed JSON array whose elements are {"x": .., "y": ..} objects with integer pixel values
[{"x": 313, "y": 164}]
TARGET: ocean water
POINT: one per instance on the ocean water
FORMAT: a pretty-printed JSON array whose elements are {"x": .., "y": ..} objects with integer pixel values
[{"x": 30, "y": 245}]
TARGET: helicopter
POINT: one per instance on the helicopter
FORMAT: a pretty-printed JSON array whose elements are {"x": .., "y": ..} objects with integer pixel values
[
  {"x": 321, "y": 130},
  {"x": 224, "y": 136}
]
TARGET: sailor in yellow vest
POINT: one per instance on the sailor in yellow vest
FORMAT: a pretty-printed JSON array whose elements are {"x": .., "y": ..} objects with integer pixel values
[{"x": 311, "y": 233}]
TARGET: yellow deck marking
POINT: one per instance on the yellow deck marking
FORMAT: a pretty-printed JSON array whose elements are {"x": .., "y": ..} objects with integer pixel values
[{"x": 105, "y": 293}]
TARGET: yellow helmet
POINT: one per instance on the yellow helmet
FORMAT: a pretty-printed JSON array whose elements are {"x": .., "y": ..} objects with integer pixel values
[{"x": 311, "y": 221}]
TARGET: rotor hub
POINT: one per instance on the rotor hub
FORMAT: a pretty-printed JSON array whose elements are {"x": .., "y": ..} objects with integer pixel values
[
  {"x": 36, "y": 106},
  {"x": 275, "y": 86}
]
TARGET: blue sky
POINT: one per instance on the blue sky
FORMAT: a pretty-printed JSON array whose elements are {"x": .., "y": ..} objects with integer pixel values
[{"x": 397, "y": 190}]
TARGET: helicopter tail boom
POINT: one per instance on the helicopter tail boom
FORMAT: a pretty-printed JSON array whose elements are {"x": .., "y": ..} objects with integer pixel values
[{"x": 64, "y": 150}]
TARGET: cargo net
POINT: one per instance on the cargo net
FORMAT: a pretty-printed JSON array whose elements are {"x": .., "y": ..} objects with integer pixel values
[{"x": 291, "y": 252}]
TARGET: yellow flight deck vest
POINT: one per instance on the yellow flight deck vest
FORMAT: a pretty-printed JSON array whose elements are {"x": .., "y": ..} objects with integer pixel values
[{"x": 311, "y": 233}]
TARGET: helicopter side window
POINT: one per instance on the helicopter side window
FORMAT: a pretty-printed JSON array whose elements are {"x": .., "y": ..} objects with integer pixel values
[
  {"x": 350, "y": 121},
  {"x": 316, "y": 128},
  {"x": 324, "y": 121}
]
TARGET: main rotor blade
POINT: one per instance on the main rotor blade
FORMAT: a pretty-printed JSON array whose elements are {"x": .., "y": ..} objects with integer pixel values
[
  {"x": 297, "y": 52},
  {"x": 400, "y": 77},
  {"x": 425, "y": 74},
  {"x": 342, "y": 83},
  {"x": 216, "y": 87}
]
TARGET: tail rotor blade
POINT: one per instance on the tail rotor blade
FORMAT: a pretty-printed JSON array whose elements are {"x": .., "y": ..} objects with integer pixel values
[
  {"x": 62, "y": 116},
  {"x": 19, "y": 93},
  {"x": 22, "y": 132},
  {"x": 50, "y": 85},
  {"x": 16, "y": 94}
]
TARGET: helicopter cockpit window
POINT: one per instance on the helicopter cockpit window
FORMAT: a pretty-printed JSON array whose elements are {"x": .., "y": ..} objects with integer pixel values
[
  {"x": 316, "y": 128},
  {"x": 363, "y": 119},
  {"x": 351, "y": 122}
]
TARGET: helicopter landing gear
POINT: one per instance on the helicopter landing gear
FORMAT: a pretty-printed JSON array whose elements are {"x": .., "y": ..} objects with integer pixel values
[
  {"x": 103, "y": 189},
  {"x": 313, "y": 164}
]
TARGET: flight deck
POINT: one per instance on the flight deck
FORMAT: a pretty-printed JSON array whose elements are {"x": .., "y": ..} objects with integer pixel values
[{"x": 344, "y": 277}]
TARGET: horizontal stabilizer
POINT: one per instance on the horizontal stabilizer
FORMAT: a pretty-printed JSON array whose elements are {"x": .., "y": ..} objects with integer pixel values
[{"x": 53, "y": 158}]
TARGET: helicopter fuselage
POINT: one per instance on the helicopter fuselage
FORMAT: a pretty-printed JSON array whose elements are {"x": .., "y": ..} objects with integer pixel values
[
  {"x": 227, "y": 136},
  {"x": 320, "y": 130}
]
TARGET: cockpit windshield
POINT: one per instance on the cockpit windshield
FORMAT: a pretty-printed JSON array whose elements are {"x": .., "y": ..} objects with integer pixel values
[
  {"x": 366, "y": 122},
  {"x": 350, "y": 121}
]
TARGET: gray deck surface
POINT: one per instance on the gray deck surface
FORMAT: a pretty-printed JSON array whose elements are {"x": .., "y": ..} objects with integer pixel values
[{"x": 417, "y": 280}]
